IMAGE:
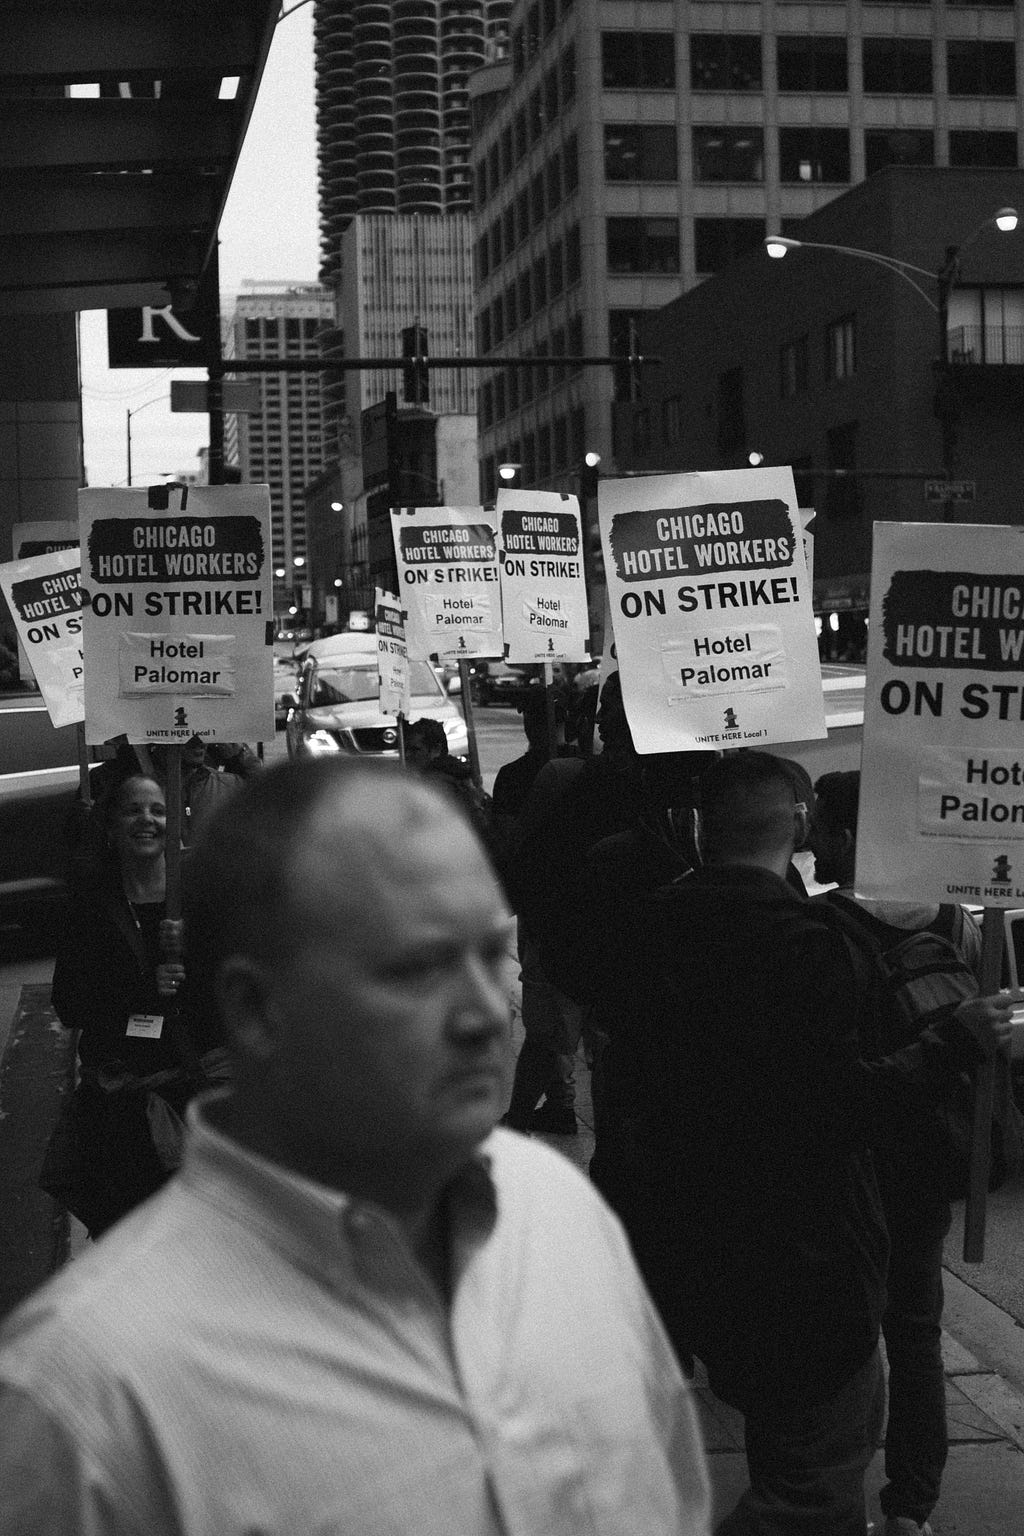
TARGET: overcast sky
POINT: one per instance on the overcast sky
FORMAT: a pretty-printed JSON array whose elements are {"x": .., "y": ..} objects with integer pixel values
[{"x": 269, "y": 231}]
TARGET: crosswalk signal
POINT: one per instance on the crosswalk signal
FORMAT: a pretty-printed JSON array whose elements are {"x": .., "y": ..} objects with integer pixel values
[{"x": 415, "y": 386}]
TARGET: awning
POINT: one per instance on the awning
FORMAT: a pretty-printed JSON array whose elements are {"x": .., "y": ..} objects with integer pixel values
[{"x": 120, "y": 128}]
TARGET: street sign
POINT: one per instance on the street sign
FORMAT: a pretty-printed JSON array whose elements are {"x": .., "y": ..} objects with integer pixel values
[
  {"x": 168, "y": 337},
  {"x": 950, "y": 490},
  {"x": 237, "y": 395}
]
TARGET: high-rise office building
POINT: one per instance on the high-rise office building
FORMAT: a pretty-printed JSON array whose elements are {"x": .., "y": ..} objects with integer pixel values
[
  {"x": 282, "y": 444},
  {"x": 393, "y": 122},
  {"x": 636, "y": 149}
]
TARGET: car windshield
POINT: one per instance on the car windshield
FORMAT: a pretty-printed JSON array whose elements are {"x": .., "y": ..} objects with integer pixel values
[{"x": 358, "y": 681}]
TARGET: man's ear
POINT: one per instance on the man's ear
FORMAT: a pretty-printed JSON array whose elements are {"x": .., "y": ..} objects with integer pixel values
[{"x": 245, "y": 999}]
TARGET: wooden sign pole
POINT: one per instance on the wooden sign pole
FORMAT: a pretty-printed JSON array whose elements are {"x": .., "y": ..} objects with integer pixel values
[{"x": 984, "y": 1081}]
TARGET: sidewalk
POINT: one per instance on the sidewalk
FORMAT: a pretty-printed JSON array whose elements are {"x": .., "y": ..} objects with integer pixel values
[{"x": 983, "y": 1486}]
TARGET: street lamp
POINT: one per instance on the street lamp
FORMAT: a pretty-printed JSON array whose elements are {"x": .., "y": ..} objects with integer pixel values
[
  {"x": 945, "y": 280},
  {"x": 155, "y": 401},
  {"x": 508, "y": 472}
]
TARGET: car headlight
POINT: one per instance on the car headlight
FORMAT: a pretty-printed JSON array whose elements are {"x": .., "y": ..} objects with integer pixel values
[{"x": 319, "y": 743}]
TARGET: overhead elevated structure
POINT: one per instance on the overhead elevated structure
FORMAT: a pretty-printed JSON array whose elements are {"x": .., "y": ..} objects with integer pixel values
[{"x": 120, "y": 128}]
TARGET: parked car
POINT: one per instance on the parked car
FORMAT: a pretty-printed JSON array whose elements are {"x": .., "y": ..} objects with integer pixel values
[
  {"x": 498, "y": 683},
  {"x": 338, "y": 706},
  {"x": 38, "y": 780}
]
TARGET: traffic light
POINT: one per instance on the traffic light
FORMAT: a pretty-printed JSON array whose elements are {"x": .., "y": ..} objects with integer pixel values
[{"x": 415, "y": 384}]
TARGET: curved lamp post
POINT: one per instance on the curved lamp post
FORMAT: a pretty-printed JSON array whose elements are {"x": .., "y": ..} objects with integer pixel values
[
  {"x": 129, "y": 414},
  {"x": 945, "y": 280}
]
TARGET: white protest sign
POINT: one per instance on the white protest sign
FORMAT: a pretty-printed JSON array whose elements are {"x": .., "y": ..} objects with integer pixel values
[
  {"x": 942, "y": 775},
  {"x": 178, "y": 620},
  {"x": 40, "y": 538},
  {"x": 714, "y": 626},
  {"x": 543, "y": 591},
  {"x": 447, "y": 561},
  {"x": 46, "y": 604},
  {"x": 392, "y": 653}
]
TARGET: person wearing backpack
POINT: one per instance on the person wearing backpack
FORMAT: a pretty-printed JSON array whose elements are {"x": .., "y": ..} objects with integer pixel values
[{"x": 926, "y": 962}]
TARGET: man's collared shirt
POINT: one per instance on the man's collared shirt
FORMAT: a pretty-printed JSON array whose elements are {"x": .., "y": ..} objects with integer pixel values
[{"x": 254, "y": 1354}]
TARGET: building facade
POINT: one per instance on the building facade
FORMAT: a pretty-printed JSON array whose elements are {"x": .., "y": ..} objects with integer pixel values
[
  {"x": 281, "y": 444},
  {"x": 393, "y": 122},
  {"x": 833, "y": 363},
  {"x": 639, "y": 147}
]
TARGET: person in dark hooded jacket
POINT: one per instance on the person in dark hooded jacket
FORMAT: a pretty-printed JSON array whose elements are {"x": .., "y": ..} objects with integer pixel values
[{"x": 750, "y": 1196}]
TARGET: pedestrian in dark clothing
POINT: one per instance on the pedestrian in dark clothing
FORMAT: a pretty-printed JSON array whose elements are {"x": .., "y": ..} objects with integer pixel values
[
  {"x": 572, "y": 805},
  {"x": 751, "y": 1197},
  {"x": 914, "y": 1196}
]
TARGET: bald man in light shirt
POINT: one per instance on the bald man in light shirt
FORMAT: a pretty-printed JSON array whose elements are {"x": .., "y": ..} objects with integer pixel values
[{"x": 359, "y": 1308}]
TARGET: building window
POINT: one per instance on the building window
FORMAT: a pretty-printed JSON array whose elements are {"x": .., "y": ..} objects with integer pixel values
[
  {"x": 793, "y": 368},
  {"x": 500, "y": 409},
  {"x": 978, "y": 68},
  {"x": 522, "y": 215},
  {"x": 556, "y": 269},
  {"x": 814, "y": 154},
  {"x": 816, "y": 63},
  {"x": 897, "y": 146},
  {"x": 551, "y": 95},
  {"x": 537, "y": 206},
  {"x": 532, "y": 32},
  {"x": 487, "y": 404},
  {"x": 483, "y": 263},
  {"x": 512, "y": 381},
  {"x": 536, "y": 115},
  {"x": 720, "y": 63},
  {"x": 540, "y": 283},
  {"x": 842, "y": 491},
  {"x": 638, "y": 61},
  {"x": 571, "y": 164},
  {"x": 553, "y": 177},
  {"x": 640, "y": 152},
  {"x": 841, "y": 348},
  {"x": 728, "y": 154},
  {"x": 511, "y": 310},
  {"x": 496, "y": 244},
  {"x": 574, "y": 335},
  {"x": 986, "y": 325},
  {"x": 573, "y": 256},
  {"x": 498, "y": 322},
  {"x": 507, "y": 160},
  {"x": 558, "y": 350},
  {"x": 719, "y": 241},
  {"x": 983, "y": 147},
  {"x": 672, "y": 419},
  {"x": 898, "y": 65},
  {"x": 493, "y": 168},
  {"x": 643, "y": 245},
  {"x": 560, "y": 443},
  {"x": 508, "y": 228},
  {"x": 567, "y": 69},
  {"x": 541, "y": 373},
  {"x": 529, "y": 459},
  {"x": 525, "y": 295},
  {"x": 544, "y": 451},
  {"x": 732, "y": 425},
  {"x": 519, "y": 135}
]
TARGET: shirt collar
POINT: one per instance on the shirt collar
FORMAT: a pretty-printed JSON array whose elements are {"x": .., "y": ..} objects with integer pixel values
[{"x": 309, "y": 1219}]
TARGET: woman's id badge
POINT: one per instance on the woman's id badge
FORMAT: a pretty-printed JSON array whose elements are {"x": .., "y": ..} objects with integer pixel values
[{"x": 145, "y": 1026}]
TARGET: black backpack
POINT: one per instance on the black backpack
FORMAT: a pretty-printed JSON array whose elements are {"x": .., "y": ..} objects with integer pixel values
[{"x": 924, "y": 978}]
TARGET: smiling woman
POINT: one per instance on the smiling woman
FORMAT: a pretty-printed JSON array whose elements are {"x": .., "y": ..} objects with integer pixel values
[{"x": 139, "y": 1043}]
